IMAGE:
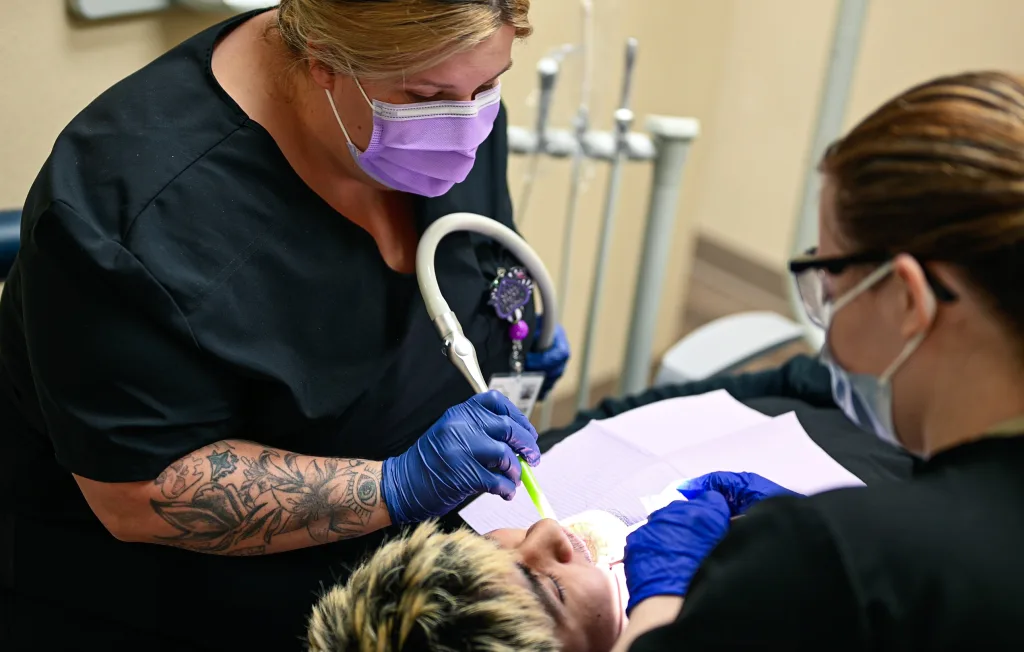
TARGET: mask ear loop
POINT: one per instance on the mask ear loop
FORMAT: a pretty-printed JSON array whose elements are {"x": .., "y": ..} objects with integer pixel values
[
  {"x": 932, "y": 307},
  {"x": 337, "y": 116},
  {"x": 862, "y": 287}
]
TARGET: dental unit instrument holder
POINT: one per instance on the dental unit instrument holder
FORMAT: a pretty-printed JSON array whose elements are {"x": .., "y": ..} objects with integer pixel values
[
  {"x": 457, "y": 346},
  {"x": 665, "y": 146},
  {"x": 624, "y": 118}
]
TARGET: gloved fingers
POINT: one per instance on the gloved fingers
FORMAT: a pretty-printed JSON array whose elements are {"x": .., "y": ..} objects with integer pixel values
[
  {"x": 664, "y": 555},
  {"x": 509, "y": 431},
  {"x": 554, "y": 356},
  {"x": 500, "y": 485},
  {"x": 708, "y": 513},
  {"x": 722, "y": 481},
  {"x": 497, "y": 404},
  {"x": 498, "y": 458},
  {"x": 741, "y": 490}
]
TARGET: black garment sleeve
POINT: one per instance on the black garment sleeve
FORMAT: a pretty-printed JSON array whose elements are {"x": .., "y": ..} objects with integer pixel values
[
  {"x": 776, "y": 582},
  {"x": 801, "y": 378},
  {"x": 123, "y": 387}
]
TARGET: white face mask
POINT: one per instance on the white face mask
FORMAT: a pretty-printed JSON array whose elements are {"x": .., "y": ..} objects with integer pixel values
[{"x": 865, "y": 399}]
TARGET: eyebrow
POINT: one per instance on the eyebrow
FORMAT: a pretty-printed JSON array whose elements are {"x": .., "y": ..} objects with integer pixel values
[
  {"x": 451, "y": 86},
  {"x": 538, "y": 589}
]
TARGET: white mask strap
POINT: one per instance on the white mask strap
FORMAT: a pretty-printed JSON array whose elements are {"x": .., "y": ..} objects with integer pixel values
[
  {"x": 330, "y": 98},
  {"x": 365, "y": 97},
  {"x": 862, "y": 287},
  {"x": 334, "y": 107},
  {"x": 913, "y": 343}
]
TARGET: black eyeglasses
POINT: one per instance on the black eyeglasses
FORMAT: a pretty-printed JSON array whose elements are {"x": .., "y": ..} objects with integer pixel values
[{"x": 811, "y": 281}]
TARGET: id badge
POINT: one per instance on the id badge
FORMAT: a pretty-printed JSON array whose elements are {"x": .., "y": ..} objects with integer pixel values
[{"x": 522, "y": 389}]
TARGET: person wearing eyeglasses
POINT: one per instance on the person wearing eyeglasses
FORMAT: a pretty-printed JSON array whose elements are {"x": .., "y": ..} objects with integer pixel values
[
  {"x": 219, "y": 386},
  {"x": 917, "y": 281}
]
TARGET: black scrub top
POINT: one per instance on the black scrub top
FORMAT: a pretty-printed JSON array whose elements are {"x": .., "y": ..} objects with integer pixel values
[
  {"x": 178, "y": 285},
  {"x": 936, "y": 563}
]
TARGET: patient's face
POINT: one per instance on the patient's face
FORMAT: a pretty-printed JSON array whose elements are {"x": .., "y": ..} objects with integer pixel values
[{"x": 581, "y": 597}]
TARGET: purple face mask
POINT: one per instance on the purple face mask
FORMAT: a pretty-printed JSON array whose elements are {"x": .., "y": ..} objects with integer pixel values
[{"x": 424, "y": 148}]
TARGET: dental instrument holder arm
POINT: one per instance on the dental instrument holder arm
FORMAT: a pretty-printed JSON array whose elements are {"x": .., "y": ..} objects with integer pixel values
[
  {"x": 457, "y": 346},
  {"x": 623, "y": 122},
  {"x": 851, "y": 21},
  {"x": 547, "y": 71},
  {"x": 673, "y": 138}
]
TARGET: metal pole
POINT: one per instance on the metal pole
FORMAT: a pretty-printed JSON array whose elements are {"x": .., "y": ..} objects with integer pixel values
[
  {"x": 851, "y": 17},
  {"x": 623, "y": 122},
  {"x": 547, "y": 72},
  {"x": 579, "y": 158},
  {"x": 672, "y": 139}
]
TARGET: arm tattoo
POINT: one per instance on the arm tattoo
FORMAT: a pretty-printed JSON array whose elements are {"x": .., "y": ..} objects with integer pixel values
[
  {"x": 222, "y": 463},
  {"x": 331, "y": 499},
  {"x": 180, "y": 476}
]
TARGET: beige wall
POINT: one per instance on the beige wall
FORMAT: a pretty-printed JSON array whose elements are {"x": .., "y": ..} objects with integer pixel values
[
  {"x": 763, "y": 118},
  {"x": 750, "y": 70},
  {"x": 51, "y": 66}
]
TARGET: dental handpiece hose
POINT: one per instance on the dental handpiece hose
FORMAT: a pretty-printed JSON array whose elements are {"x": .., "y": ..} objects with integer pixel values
[{"x": 458, "y": 347}]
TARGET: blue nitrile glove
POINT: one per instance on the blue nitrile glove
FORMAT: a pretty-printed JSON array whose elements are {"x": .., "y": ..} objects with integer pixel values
[
  {"x": 741, "y": 490},
  {"x": 663, "y": 556},
  {"x": 552, "y": 361},
  {"x": 470, "y": 450}
]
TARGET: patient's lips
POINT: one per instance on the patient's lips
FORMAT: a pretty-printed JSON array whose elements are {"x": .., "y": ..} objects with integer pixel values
[
  {"x": 603, "y": 535},
  {"x": 579, "y": 545}
]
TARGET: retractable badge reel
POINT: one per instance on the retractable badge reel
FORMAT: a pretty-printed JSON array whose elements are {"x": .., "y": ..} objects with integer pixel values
[{"x": 511, "y": 292}]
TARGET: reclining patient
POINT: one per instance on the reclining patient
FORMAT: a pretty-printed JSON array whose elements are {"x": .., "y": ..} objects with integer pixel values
[{"x": 533, "y": 589}]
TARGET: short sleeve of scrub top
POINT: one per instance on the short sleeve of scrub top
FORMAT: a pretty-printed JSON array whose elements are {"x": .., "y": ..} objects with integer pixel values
[{"x": 123, "y": 386}]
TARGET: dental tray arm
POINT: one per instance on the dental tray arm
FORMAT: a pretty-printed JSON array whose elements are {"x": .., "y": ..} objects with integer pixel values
[{"x": 459, "y": 348}]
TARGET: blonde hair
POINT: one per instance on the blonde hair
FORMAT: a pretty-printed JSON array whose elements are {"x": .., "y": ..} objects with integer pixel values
[
  {"x": 437, "y": 591},
  {"x": 380, "y": 39}
]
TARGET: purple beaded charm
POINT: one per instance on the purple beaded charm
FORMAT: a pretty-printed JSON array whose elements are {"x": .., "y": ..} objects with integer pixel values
[
  {"x": 511, "y": 291},
  {"x": 518, "y": 331}
]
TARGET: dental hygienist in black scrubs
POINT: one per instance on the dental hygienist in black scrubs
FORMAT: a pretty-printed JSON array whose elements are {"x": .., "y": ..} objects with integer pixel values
[
  {"x": 219, "y": 383},
  {"x": 917, "y": 280}
]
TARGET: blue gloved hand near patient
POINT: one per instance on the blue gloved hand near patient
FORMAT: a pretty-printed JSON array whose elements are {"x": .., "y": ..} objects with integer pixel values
[
  {"x": 741, "y": 490},
  {"x": 663, "y": 556},
  {"x": 550, "y": 362},
  {"x": 470, "y": 450}
]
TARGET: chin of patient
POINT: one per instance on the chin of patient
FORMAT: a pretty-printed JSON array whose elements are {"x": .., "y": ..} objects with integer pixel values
[{"x": 533, "y": 589}]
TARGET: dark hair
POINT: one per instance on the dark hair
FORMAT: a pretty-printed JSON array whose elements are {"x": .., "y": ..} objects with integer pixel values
[{"x": 938, "y": 173}]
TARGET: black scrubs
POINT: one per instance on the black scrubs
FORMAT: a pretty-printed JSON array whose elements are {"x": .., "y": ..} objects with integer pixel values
[
  {"x": 179, "y": 284},
  {"x": 930, "y": 564}
]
